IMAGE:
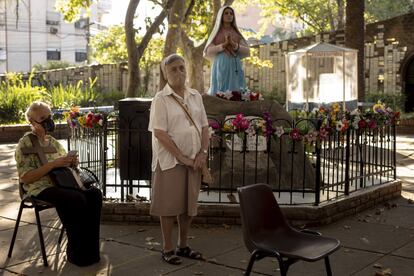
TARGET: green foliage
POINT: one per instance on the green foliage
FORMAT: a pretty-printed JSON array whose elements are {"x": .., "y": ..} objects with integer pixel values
[
  {"x": 256, "y": 61},
  {"x": 394, "y": 100},
  {"x": 72, "y": 95},
  {"x": 53, "y": 65},
  {"x": 109, "y": 46},
  {"x": 377, "y": 10},
  {"x": 276, "y": 95},
  {"x": 15, "y": 96},
  {"x": 71, "y": 9},
  {"x": 200, "y": 22},
  {"x": 322, "y": 15}
]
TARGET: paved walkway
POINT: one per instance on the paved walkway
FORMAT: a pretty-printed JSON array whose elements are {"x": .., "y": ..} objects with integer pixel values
[{"x": 375, "y": 242}]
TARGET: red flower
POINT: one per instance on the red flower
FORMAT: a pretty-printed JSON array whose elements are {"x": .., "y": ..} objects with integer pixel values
[
  {"x": 295, "y": 134},
  {"x": 362, "y": 124},
  {"x": 237, "y": 96},
  {"x": 254, "y": 96}
]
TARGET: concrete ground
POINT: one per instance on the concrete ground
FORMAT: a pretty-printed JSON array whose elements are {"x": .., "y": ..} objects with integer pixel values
[{"x": 379, "y": 241}]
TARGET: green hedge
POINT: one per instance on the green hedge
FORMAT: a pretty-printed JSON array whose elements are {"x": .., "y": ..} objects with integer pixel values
[{"x": 17, "y": 94}]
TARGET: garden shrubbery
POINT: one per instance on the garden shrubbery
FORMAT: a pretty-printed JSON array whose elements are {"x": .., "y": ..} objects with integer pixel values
[{"x": 16, "y": 95}]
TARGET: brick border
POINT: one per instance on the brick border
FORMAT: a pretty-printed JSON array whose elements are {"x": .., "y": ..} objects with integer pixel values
[{"x": 297, "y": 215}]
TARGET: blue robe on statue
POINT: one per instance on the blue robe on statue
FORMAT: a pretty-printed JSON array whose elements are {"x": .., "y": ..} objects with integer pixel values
[{"x": 226, "y": 74}]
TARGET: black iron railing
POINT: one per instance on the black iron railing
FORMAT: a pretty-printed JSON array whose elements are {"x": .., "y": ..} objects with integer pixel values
[{"x": 299, "y": 172}]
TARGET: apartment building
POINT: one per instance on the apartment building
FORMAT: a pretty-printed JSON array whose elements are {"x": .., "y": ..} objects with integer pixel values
[{"x": 33, "y": 32}]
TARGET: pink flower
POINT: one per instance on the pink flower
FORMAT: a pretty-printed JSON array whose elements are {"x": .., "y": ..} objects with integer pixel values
[
  {"x": 240, "y": 123},
  {"x": 214, "y": 125},
  {"x": 323, "y": 133},
  {"x": 311, "y": 136}
]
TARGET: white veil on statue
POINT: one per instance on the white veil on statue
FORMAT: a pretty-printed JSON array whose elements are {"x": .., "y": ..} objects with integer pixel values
[{"x": 217, "y": 26}]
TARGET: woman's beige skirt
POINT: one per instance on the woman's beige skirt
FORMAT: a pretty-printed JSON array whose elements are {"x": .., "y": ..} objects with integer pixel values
[{"x": 175, "y": 191}]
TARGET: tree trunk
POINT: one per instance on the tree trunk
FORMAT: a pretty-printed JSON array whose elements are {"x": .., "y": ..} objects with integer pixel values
[
  {"x": 133, "y": 68},
  {"x": 354, "y": 38},
  {"x": 174, "y": 25},
  {"x": 135, "y": 52},
  {"x": 340, "y": 4}
]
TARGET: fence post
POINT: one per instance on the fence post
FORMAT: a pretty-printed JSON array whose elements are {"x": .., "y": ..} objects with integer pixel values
[
  {"x": 394, "y": 151},
  {"x": 318, "y": 167},
  {"x": 347, "y": 160}
]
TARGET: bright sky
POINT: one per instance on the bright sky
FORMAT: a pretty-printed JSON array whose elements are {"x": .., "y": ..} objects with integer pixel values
[{"x": 119, "y": 7}]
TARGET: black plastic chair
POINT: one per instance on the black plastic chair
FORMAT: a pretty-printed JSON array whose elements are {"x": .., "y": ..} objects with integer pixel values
[
  {"x": 267, "y": 233},
  {"x": 38, "y": 205}
]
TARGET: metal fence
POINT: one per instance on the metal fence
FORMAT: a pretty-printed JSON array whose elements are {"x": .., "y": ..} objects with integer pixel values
[{"x": 298, "y": 172}]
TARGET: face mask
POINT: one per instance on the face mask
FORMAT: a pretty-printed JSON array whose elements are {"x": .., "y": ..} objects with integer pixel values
[{"x": 48, "y": 125}]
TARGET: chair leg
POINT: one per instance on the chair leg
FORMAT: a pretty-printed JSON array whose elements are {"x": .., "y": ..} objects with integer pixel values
[
  {"x": 62, "y": 231},
  {"x": 328, "y": 266},
  {"x": 42, "y": 242},
  {"x": 251, "y": 262},
  {"x": 16, "y": 227},
  {"x": 283, "y": 268}
]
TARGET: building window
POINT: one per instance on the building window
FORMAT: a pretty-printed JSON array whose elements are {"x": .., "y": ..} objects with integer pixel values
[
  {"x": 53, "y": 54},
  {"x": 81, "y": 23},
  {"x": 52, "y": 18},
  {"x": 2, "y": 19},
  {"x": 3, "y": 54},
  {"x": 81, "y": 55}
]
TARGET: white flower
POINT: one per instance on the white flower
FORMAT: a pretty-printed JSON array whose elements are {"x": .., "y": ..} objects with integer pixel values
[
  {"x": 246, "y": 96},
  {"x": 210, "y": 132},
  {"x": 355, "y": 122},
  {"x": 355, "y": 112},
  {"x": 339, "y": 125},
  {"x": 279, "y": 131}
]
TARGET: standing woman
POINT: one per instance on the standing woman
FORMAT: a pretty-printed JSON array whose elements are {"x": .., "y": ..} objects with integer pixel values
[
  {"x": 179, "y": 151},
  {"x": 225, "y": 48}
]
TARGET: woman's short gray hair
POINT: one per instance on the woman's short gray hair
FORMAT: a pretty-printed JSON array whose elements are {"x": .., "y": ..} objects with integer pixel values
[
  {"x": 35, "y": 107},
  {"x": 170, "y": 59}
]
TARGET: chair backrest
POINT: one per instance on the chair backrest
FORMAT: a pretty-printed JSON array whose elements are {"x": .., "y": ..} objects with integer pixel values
[{"x": 260, "y": 213}]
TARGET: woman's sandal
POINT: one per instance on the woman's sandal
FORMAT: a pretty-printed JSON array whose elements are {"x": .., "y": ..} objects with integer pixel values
[
  {"x": 170, "y": 257},
  {"x": 187, "y": 252}
]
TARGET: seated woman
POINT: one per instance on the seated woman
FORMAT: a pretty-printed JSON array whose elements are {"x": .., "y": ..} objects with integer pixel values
[
  {"x": 79, "y": 211},
  {"x": 225, "y": 48}
]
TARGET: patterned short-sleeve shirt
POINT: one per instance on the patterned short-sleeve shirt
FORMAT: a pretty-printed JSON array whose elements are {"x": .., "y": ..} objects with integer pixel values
[{"x": 28, "y": 162}]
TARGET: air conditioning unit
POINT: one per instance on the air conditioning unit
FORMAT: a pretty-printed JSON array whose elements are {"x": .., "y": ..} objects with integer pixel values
[{"x": 53, "y": 30}]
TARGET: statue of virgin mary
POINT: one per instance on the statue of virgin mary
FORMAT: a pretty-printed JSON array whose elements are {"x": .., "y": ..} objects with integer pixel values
[{"x": 225, "y": 48}]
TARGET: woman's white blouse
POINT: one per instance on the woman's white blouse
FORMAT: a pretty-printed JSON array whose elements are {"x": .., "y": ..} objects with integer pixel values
[{"x": 167, "y": 115}]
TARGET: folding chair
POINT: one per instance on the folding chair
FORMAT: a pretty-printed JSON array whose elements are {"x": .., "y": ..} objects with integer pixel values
[
  {"x": 38, "y": 205},
  {"x": 29, "y": 202}
]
